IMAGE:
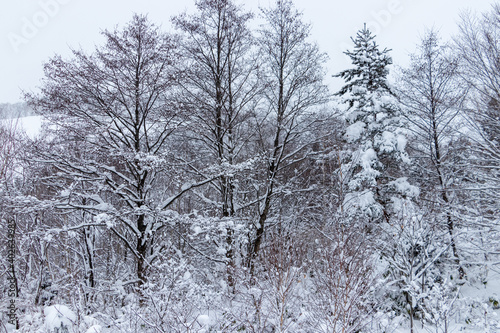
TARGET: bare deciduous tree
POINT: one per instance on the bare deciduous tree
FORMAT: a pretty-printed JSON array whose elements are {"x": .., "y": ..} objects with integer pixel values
[
  {"x": 116, "y": 107},
  {"x": 478, "y": 46},
  {"x": 432, "y": 98},
  {"x": 219, "y": 88},
  {"x": 293, "y": 70}
]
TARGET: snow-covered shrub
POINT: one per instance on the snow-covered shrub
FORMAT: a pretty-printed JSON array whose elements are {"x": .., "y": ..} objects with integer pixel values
[{"x": 342, "y": 279}]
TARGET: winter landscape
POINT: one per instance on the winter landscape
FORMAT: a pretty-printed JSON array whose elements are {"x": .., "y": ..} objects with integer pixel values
[{"x": 205, "y": 178}]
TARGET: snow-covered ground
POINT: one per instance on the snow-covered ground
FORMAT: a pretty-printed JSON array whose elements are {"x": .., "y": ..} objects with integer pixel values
[{"x": 476, "y": 309}]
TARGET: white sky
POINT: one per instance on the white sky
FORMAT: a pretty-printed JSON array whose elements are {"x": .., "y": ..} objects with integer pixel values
[{"x": 32, "y": 31}]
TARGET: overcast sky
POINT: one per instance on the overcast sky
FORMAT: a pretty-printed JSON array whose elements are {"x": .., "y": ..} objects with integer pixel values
[{"x": 34, "y": 30}]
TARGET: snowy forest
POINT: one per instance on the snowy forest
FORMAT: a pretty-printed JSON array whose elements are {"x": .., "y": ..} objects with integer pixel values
[{"x": 206, "y": 179}]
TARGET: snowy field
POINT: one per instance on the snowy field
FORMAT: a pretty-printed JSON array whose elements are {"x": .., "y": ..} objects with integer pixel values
[{"x": 30, "y": 125}]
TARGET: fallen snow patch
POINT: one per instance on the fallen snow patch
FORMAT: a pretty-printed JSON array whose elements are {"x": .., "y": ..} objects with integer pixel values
[{"x": 59, "y": 318}]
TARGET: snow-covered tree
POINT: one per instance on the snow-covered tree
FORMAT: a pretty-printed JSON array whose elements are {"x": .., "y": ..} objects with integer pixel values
[
  {"x": 375, "y": 131},
  {"x": 293, "y": 76},
  {"x": 219, "y": 89},
  {"x": 431, "y": 97},
  {"x": 113, "y": 116},
  {"x": 477, "y": 47}
]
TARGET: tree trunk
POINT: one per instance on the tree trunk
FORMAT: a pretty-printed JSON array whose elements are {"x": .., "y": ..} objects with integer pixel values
[
  {"x": 444, "y": 196},
  {"x": 142, "y": 247}
]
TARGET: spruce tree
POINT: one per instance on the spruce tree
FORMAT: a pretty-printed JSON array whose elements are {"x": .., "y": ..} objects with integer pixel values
[{"x": 374, "y": 128}]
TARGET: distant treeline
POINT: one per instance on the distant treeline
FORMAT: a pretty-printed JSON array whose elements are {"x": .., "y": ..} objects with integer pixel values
[{"x": 14, "y": 110}]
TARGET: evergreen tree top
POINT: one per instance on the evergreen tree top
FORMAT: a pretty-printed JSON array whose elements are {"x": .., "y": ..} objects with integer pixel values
[{"x": 370, "y": 72}]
